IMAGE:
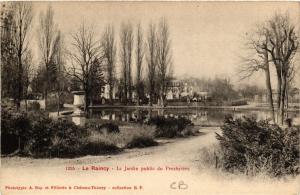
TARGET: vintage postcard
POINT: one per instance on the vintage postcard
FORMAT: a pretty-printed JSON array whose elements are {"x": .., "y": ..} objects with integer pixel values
[{"x": 149, "y": 97}]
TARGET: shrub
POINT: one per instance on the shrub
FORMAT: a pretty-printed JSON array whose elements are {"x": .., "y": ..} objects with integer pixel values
[
  {"x": 170, "y": 127},
  {"x": 137, "y": 136},
  {"x": 100, "y": 143},
  {"x": 35, "y": 106},
  {"x": 238, "y": 103},
  {"x": 251, "y": 147},
  {"x": 129, "y": 137},
  {"x": 109, "y": 128},
  {"x": 103, "y": 128},
  {"x": 210, "y": 156},
  {"x": 14, "y": 129},
  {"x": 49, "y": 138},
  {"x": 100, "y": 147},
  {"x": 141, "y": 142},
  {"x": 39, "y": 136},
  {"x": 189, "y": 130}
]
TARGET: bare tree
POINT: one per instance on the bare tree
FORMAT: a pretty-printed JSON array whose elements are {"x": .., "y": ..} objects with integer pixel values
[
  {"x": 22, "y": 22},
  {"x": 109, "y": 52},
  {"x": 27, "y": 75},
  {"x": 282, "y": 48},
  {"x": 151, "y": 60},
  {"x": 163, "y": 58},
  {"x": 139, "y": 62},
  {"x": 59, "y": 67},
  {"x": 85, "y": 55},
  {"x": 47, "y": 38},
  {"x": 126, "y": 41},
  {"x": 257, "y": 43}
]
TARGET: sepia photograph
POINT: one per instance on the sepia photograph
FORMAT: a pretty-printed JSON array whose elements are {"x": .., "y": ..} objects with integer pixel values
[{"x": 150, "y": 97}]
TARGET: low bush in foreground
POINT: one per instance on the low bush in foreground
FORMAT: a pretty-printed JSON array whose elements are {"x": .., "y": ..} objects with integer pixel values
[
  {"x": 140, "y": 137},
  {"x": 172, "y": 127},
  {"x": 252, "y": 147},
  {"x": 106, "y": 127},
  {"x": 35, "y": 134},
  {"x": 135, "y": 136},
  {"x": 100, "y": 147},
  {"x": 141, "y": 142}
]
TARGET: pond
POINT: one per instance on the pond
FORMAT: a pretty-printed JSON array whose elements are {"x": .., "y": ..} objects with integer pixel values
[{"x": 202, "y": 117}]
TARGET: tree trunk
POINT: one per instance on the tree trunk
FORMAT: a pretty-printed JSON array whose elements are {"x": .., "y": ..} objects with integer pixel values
[
  {"x": 287, "y": 95},
  {"x": 138, "y": 93},
  {"x": 138, "y": 100},
  {"x": 278, "y": 94},
  {"x": 86, "y": 102},
  {"x": 20, "y": 89},
  {"x": 58, "y": 102},
  {"x": 282, "y": 101},
  {"x": 111, "y": 94},
  {"x": 46, "y": 87},
  {"x": 269, "y": 87},
  {"x": 26, "y": 103},
  {"x": 46, "y": 95},
  {"x": 150, "y": 99},
  {"x": 58, "y": 91},
  {"x": 125, "y": 90}
]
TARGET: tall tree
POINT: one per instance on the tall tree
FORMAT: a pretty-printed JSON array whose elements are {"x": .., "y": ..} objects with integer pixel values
[
  {"x": 139, "y": 63},
  {"x": 96, "y": 80},
  {"x": 58, "y": 68},
  {"x": 86, "y": 57},
  {"x": 109, "y": 52},
  {"x": 163, "y": 58},
  {"x": 27, "y": 75},
  {"x": 47, "y": 38},
  {"x": 257, "y": 43},
  {"x": 126, "y": 42},
  {"x": 9, "y": 67},
  {"x": 282, "y": 48},
  {"x": 22, "y": 22},
  {"x": 151, "y": 60}
]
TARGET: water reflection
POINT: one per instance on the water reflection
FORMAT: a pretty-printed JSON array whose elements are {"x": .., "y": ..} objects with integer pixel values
[{"x": 197, "y": 116}]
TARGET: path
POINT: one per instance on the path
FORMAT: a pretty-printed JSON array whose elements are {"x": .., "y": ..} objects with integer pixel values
[{"x": 180, "y": 153}]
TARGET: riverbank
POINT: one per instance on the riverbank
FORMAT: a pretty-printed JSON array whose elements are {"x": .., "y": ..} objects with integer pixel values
[{"x": 229, "y": 108}]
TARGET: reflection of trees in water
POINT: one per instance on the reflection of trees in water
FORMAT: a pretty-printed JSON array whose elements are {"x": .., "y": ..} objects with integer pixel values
[{"x": 197, "y": 116}]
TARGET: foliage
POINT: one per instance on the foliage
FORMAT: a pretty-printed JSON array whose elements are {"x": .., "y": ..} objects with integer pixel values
[
  {"x": 129, "y": 137},
  {"x": 223, "y": 90},
  {"x": 40, "y": 136},
  {"x": 170, "y": 127},
  {"x": 141, "y": 142},
  {"x": 108, "y": 44},
  {"x": 86, "y": 69},
  {"x": 251, "y": 146},
  {"x": 138, "y": 136},
  {"x": 14, "y": 128},
  {"x": 55, "y": 139},
  {"x": 96, "y": 80},
  {"x": 249, "y": 91},
  {"x": 100, "y": 147},
  {"x": 238, "y": 103},
  {"x": 103, "y": 128},
  {"x": 109, "y": 128},
  {"x": 38, "y": 80}
]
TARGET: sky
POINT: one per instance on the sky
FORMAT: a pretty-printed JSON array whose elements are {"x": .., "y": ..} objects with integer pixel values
[{"x": 207, "y": 38}]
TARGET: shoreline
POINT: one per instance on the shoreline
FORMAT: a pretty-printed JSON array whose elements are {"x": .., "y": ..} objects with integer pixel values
[{"x": 232, "y": 108}]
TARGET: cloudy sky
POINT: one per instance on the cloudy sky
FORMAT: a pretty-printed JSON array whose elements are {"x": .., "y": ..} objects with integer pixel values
[{"x": 207, "y": 38}]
